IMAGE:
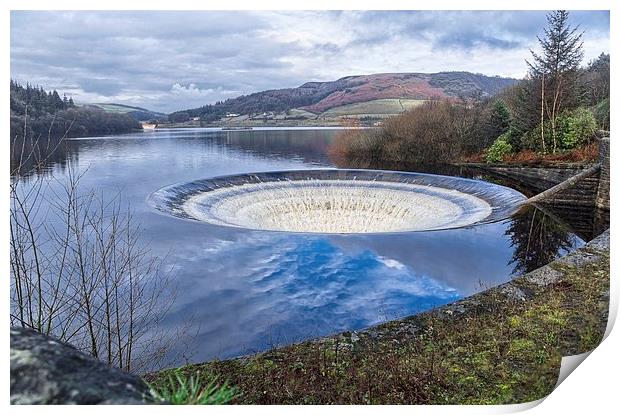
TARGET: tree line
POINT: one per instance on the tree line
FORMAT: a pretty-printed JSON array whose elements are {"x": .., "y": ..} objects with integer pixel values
[
  {"x": 37, "y": 99},
  {"x": 560, "y": 106},
  {"x": 38, "y": 114},
  {"x": 277, "y": 100}
]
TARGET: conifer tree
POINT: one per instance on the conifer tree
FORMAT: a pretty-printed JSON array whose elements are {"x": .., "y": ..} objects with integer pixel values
[
  {"x": 499, "y": 119},
  {"x": 556, "y": 70}
]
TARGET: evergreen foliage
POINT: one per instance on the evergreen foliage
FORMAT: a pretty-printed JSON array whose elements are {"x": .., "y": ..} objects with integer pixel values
[
  {"x": 601, "y": 113},
  {"x": 556, "y": 73},
  {"x": 499, "y": 119},
  {"x": 36, "y": 101},
  {"x": 498, "y": 150},
  {"x": 36, "y": 113},
  {"x": 576, "y": 128}
]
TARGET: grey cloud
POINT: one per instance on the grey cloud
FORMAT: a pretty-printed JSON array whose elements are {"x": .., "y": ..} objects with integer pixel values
[
  {"x": 102, "y": 86},
  {"x": 470, "y": 29},
  {"x": 137, "y": 57}
]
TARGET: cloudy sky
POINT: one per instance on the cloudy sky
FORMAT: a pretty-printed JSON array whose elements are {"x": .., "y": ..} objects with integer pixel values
[{"x": 167, "y": 61}]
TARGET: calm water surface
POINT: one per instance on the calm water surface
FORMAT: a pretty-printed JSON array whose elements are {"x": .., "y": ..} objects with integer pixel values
[{"x": 241, "y": 291}]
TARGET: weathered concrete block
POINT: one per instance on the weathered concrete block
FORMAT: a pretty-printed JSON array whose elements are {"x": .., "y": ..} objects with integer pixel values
[
  {"x": 543, "y": 276},
  {"x": 47, "y": 371}
]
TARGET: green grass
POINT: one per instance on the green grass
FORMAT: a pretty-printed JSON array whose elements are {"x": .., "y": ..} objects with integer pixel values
[
  {"x": 298, "y": 112},
  {"x": 177, "y": 388},
  {"x": 123, "y": 109},
  {"x": 374, "y": 107},
  {"x": 501, "y": 351}
]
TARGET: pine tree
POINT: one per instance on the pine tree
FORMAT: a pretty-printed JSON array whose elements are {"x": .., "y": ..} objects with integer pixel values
[
  {"x": 499, "y": 119},
  {"x": 57, "y": 103},
  {"x": 556, "y": 70}
]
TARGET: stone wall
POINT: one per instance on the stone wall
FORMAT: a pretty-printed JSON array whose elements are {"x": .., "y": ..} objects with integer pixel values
[
  {"x": 591, "y": 191},
  {"x": 587, "y": 193},
  {"x": 602, "y": 198},
  {"x": 582, "y": 194},
  {"x": 535, "y": 179}
]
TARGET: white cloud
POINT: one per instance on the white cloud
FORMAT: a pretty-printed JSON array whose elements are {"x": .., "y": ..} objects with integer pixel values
[
  {"x": 391, "y": 263},
  {"x": 190, "y": 90}
]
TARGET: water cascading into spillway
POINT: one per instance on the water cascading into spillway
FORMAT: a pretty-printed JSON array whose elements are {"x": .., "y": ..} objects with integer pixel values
[{"x": 338, "y": 201}]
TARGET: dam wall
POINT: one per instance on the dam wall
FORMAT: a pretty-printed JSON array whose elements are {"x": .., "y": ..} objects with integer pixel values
[
  {"x": 602, "y": 197},
  {"x": 591, "y": 191}
]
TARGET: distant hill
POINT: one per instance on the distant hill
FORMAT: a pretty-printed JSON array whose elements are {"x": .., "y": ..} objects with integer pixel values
[
  {"x": 140, "y": 114},
  {"x": 384, "y": 94}
]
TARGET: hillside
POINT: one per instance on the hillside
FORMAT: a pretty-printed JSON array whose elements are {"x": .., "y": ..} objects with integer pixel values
[
  {"x": 140, "y": 114},
  {"x": 321, "y": 100}
]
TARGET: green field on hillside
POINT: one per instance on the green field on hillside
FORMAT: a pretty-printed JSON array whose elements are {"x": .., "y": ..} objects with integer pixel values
[
  {"x": 123, "y": 109},
  {"x": 297, "y": 112},
  {"x": 141, "y": 114},
  {"x": 375, "y": 107}
]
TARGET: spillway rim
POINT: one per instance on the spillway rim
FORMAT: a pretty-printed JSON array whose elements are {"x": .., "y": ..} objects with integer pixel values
[{"x": 504, "y": 202}]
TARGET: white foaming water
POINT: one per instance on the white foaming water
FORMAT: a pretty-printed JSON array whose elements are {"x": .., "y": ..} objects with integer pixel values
[{"x": 337, "y": 206}]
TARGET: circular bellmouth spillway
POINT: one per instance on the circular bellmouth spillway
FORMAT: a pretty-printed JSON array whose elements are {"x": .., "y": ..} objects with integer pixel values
[{"x": 338, "y": 201}]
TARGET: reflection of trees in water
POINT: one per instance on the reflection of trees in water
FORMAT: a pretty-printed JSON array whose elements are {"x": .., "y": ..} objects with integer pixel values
[
  {"x": 585, "y": 221},
  {"x": 39, "y": 156},
  {"x": 444, "y": 169},
  {"x": 42, "y": 155},
  {"x": 537, "y": 239},
  {"x": 310, "y": 145}
]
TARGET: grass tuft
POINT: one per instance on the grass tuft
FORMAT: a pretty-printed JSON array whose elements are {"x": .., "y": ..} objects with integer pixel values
[{"x": 179, "y": 389}]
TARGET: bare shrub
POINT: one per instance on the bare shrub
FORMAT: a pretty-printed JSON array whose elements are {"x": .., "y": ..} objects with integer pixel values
[
  {"x": 360, "y": 148},
  {"x": 428, "y": 133},
  {"x": 80, "y": 273},
  {"x": 434, "y": 132}
]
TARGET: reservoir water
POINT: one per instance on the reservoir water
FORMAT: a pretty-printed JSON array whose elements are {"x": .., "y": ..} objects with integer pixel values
[{"x": 240, "y": 290}]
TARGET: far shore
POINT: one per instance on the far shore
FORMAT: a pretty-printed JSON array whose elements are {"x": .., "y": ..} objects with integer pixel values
[{"x": 335, "y": 123}]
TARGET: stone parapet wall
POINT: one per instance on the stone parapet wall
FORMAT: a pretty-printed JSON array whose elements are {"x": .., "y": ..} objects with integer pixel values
[
  {"x": 602, "y": 198},
  {"x": 589, "y": 192},
  {"x": 538, "y": 179}
]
